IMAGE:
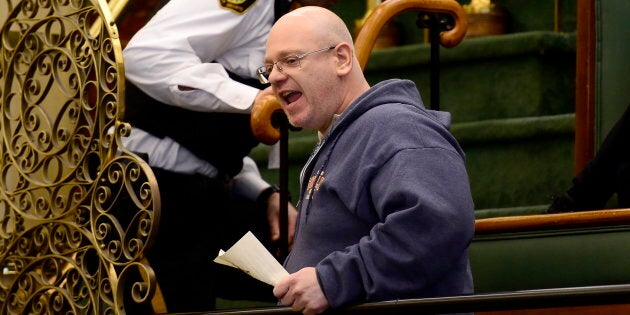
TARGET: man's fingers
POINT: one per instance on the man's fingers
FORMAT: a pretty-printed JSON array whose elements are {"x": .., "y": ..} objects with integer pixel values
[
  {"x": 280, "y": 289},
  {"x": 274, "y": 230}
]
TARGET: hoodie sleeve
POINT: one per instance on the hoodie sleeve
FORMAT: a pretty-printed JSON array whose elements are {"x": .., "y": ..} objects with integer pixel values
[{"x": 426, "y": 226}]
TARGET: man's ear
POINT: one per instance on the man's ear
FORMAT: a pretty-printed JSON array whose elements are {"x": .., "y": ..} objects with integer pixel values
[{"x": 344, "y": 55}]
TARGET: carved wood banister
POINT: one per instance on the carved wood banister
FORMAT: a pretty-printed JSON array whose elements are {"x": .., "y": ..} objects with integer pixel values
[
  {"x": 552, "y": 221},
  {"x": 261, "y": 120},
  {"x": 390, "y": 8}
]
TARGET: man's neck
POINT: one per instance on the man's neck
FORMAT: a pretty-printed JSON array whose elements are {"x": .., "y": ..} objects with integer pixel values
[{"x": 322, "y": 133}]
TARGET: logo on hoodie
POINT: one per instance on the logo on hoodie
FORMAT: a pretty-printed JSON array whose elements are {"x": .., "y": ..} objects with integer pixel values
[
  {"x": 314, "y": 183},
  {"x": 238, "y": 6}
]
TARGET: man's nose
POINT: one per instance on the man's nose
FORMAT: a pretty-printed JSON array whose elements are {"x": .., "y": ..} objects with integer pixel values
[{"x": 276, "y": 75}]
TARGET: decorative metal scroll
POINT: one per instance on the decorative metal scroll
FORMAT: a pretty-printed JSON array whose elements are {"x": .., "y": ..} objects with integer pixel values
[{"x": 77, "y": 211}]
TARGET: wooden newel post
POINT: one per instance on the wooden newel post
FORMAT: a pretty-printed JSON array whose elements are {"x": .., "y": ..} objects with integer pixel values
[{"x": 270, "y": 125}]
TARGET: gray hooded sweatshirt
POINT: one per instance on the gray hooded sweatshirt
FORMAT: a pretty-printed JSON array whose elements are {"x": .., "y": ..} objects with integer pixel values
[{"x": 385, "y": 208}]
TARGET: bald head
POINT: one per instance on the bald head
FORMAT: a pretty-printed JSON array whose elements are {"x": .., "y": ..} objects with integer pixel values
[{"x": 317, "y": 24}]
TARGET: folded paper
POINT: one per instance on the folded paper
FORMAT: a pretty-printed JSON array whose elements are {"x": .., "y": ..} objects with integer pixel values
[{"x": 249, "y": 255}]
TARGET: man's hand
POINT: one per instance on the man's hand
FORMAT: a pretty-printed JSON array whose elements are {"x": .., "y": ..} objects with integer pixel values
[
  {"x": 273, "y": 217},
  {"x": 301, "y": 291}
]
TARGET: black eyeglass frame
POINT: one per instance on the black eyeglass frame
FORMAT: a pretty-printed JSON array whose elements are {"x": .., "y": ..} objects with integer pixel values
[{"x": 291, "y": 61}]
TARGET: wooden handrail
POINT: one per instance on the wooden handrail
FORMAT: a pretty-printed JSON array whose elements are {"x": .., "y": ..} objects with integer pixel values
[
  {"x": 390, "y": 8},
  {"x": 552, "y": 221}
]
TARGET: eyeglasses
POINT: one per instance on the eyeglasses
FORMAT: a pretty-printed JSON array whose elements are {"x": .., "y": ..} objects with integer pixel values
[{"x": 290, "y": 61}]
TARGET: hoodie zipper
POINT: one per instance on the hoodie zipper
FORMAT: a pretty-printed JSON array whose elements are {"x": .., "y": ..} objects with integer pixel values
[{"x": 310, "y": 160}]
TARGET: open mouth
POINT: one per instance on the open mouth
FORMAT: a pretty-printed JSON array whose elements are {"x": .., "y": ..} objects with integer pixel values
[{"x": 291, "y": 96}]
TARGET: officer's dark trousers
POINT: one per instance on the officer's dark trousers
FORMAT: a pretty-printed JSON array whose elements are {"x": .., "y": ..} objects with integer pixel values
[
  {"x": 198, "y": 219},
  {"x": 608, "y": 173}
]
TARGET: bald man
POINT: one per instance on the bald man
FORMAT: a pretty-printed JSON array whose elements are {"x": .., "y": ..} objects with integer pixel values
[{"x": 385, "y": 209}]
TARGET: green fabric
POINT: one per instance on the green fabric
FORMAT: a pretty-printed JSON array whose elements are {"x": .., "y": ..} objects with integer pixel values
[
  {"x": 550, "y": 259},
  {"x": 514, "y": 129},
  {"x": 470, "y": 49},
  {"x": 515, "y": 75},
  {"x": 517, "y": 162},
  {"x": 510, "y": 211}
]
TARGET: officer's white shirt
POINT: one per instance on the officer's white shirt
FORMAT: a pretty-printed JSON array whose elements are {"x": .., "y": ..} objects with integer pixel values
[{"x": 191, "y": 43}]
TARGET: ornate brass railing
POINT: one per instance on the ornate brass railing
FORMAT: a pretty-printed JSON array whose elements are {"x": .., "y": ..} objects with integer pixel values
[{"x": 77, "y": 211}]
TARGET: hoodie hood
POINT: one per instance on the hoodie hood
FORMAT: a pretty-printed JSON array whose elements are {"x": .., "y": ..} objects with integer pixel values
[{"x": 393, "y": 91}]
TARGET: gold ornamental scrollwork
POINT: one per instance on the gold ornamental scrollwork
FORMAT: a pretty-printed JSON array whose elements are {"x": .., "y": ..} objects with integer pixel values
[{"x": 77, "y": 211}]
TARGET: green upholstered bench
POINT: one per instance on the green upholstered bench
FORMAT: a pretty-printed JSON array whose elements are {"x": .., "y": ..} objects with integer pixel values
[{"x": 551, "y": 251}]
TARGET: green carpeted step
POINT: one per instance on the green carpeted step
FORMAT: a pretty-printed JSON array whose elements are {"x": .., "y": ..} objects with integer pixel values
[{"x": 507, "y": 76}]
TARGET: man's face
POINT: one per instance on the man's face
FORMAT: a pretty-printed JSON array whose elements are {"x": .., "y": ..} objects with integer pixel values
[{"x": 307, "y": 90}]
